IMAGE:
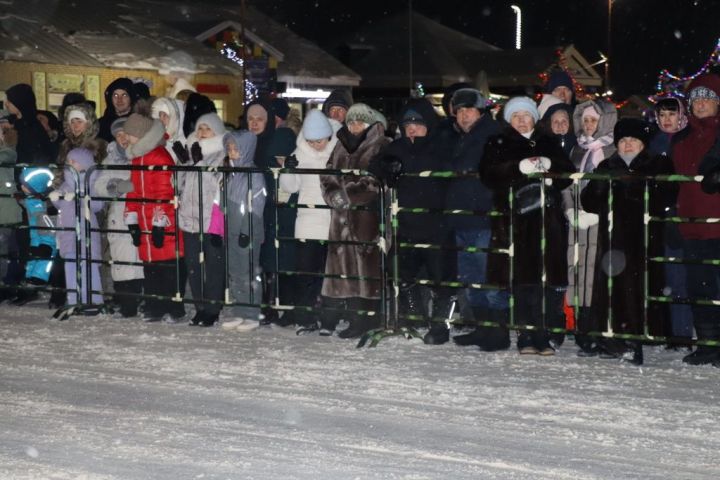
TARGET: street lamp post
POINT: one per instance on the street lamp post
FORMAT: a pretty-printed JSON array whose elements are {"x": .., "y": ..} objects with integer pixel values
[
  {"x": 609, "y": 44},
  {"x": 518, "y": 26}
]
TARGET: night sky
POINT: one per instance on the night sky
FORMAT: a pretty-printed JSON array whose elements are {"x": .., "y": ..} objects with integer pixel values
[{"x": 645, "y": 38}]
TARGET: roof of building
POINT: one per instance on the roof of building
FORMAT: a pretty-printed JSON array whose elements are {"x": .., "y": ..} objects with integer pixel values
[{"x": 151, "y": 34}]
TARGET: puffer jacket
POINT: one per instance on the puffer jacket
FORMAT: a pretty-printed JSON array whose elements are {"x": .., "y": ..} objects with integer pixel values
[
  {"x": 153, "y": 185},
  {"x": 174, "y": 131},
  {"x": 246, "y": 192},
  {"x": 191, "y": 210}
]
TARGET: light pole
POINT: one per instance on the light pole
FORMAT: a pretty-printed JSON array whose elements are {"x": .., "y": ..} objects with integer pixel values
[
  {"x": 518, "y": 26},
  {"x": 609, "y": 44}
]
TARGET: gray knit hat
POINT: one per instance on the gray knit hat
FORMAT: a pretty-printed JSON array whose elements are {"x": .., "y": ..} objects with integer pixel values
[{"x": 118, "y": 125}]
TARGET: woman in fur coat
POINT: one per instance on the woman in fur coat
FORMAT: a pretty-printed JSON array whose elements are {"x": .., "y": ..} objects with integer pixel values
[
  {"x": 360, "y": 140},
  {"x": 520, "y": 150}
]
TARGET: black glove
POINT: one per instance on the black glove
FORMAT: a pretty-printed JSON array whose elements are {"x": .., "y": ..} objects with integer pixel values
[
  {"x": 215, "y": 240},
  {"x": 196, "y": 152},
  {"x": 51, "y": 210},
  {"x": 135, "y": 233},
  {"x": 291, "y": 162},
  {"x": 41, "y": 251},
  {"x": 158, "y": 236},
  {"x": 391, "y": 167},
  {"x": 180, "y": 152},
  {"x": 711, "y": 182},
  {"x": 243, "y": 240}
]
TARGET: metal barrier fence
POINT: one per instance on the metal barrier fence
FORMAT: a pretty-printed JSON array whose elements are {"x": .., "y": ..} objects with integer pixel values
[{"x": 392, "y": 320}]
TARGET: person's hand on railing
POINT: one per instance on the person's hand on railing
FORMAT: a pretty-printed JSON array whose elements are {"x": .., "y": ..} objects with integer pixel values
[
  {"x": 181, "y": 152},
  {"x": 196, "y": 152},
  {"x": 587, "y": 219},
  {"x": 215, "y": 240},
  {"x": 54, "y": 196},
  {"x": 158, "y": 236},
  {"x": 291, "y": 162},
  {"x": 534, "y": 165},
  {"x": 711, "y": 182},
  {"x": 338, "y": 201},
  {"x": 134, "y": 229},
  {"x": 391, "y": 168}
]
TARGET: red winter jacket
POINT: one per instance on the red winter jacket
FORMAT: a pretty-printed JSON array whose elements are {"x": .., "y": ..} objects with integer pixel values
[
  {"x": 153, "y": 185},
  {"x": 687, "y": 154}
]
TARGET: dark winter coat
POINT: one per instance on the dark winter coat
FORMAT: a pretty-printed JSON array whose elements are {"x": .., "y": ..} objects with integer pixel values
[
  {"x": 688, "y": 150},
  {"x": 626, "y": 241},
  {"x": 422, "y": 155},
  {"x": 33, "y": 143},
  {"x": 110, "y": 114},
  {"x": 354, "y": 225},
  {"x": 152, "y": 185},
  {"x": 466, "y": 156},
  {"x": 500, "y": 168}
]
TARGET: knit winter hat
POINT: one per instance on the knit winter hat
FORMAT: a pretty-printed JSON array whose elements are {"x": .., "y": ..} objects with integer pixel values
[
  {"x": 316, "y": 126},
  {"x": 337, "y": 98},
  {"x": 37, "y": 179},
  {"x": 631, "y": 127},
  {"x": 702, "y": 92},
  {"x": 281, "y": 107},
  {"x": 138, "y": 125},
  {"x": 361, "y": 112},
  {"x": 160, "y": 105},
  {"x": 468, "y": 98},
  {"x": 520, "y": 104},
  {"x": 412, "y": 116},
  {"x": 548, "y": 100},
  {"x": 704, "y": 86},
  {"x": 82, "y": 156},
  {"x": 213, "y": 121},
  {"x": 559, "y": 78},
  {"x": 76, "y": 113},
  {"x": 118, "y": 126}
]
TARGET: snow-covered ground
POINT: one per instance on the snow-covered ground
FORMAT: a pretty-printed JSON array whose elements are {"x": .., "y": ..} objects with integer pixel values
[{"x": 102, "y": 398}]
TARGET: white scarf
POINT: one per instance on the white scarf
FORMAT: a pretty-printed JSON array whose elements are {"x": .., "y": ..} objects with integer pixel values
[{"x": 594, "y": 152}]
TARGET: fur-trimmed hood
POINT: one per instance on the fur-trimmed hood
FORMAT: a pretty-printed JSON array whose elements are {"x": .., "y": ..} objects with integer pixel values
[
  {"x": 608, "y": 117},
  {"x": 93, "y": 126},
  {"x": 176, "y": 111},
  {"x": 155, "y": 137}
]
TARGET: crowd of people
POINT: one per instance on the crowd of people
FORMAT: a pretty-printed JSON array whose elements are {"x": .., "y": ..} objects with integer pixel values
[{"x": 533, "y": 248}]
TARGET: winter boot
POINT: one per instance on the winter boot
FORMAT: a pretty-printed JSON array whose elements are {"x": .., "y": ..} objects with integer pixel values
[
  {"x": 410, "y": 303},
  {"x": 475, "y": 337},
  {"x": 7, "y": 293},
  {"x": 497, "y": 338},
  {"x": 269, "y": 315},
  {"x": 525, "y": 343},
  {"x": 443, "y": 310},
  {"x": 25, "y": 296},
  {"x": 543, "y": 343},
  {"x": 705, "y": 355}
]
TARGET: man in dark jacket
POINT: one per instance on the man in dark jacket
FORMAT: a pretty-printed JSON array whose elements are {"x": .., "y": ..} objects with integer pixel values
[
  {"x": 471, "y": 131},
  {"x": 120, "y": 97},
  {"x": 33, "y": 143},
  {"x": 702, "y": 240},
  {"x": 417, "y": 150}
]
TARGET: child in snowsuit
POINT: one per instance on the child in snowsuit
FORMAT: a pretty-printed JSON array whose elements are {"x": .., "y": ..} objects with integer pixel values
[
  {"x": 63, "y": 197},
  {"x": 35, "y": 183}
]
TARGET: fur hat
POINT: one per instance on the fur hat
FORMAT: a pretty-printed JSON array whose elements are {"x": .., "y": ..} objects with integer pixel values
[
  {"x": 281, "y": 107},
  {"x": 632, "y": 127},
  {"x": 82, "y": 156},
  {"x": 138, "y": 125},
  {"x": 520, "y": 104},
  {"x": 316, "y": 126},
  {"x": 361, "y": 112},
  {"x": 213, "y": 121},
  {"x": 448, "y": 94},
  {"x": 468, "y": 98}
]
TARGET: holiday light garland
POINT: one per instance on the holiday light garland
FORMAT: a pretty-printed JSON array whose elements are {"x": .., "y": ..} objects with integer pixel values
[{"x": 669, "y": 85}]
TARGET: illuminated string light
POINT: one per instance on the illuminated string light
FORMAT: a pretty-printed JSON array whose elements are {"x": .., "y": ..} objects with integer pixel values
[{"x": 669, "y": 85}]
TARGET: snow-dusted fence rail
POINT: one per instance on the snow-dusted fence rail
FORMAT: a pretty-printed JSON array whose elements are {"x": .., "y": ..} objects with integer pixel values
[{"x": 387, "y": 243}]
